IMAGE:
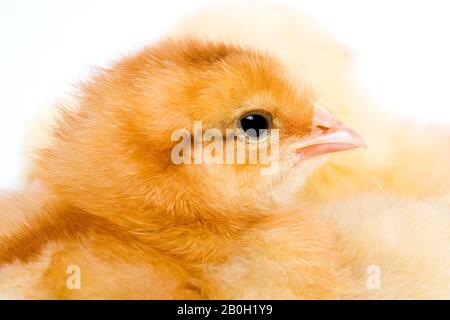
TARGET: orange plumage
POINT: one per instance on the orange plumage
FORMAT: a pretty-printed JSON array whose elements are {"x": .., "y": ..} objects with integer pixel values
[
  {"x": 105, "y": 198},
  {"x": 112, "y": 203}
]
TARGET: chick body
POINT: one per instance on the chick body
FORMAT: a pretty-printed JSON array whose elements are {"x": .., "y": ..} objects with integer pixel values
[
  {"x": 388, "y": 206},
  {"x": 115, "y": 210}
]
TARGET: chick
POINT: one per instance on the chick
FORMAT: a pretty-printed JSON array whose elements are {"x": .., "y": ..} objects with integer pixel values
[
  {"x": 110, "y": 214},
  {"x": 391, "y": 203},
  {"x": 400, "y": 152}
]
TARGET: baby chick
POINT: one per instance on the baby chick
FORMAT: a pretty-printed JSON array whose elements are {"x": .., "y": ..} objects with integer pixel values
[
  {"x": 391, "y": 203},
  {"x": 108, "y": 213}
]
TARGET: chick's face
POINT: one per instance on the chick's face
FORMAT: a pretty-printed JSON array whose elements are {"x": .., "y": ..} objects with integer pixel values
[
  {"x": 228, "y": 127},
  {"x": 190, "y": 128}
]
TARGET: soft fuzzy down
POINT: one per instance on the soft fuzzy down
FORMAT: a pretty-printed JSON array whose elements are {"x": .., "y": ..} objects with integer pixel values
[{"x": 102, "y": 194}]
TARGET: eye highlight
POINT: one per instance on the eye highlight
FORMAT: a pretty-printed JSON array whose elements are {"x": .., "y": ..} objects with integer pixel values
[{"x": 255, "y": 124}]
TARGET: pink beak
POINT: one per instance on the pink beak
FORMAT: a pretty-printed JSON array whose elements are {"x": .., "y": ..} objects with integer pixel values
[{"x": 328, "y": 135}]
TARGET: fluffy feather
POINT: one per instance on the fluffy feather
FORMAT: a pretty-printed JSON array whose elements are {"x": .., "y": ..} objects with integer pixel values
[
  {"x": 391, "y": 202},
  {"x": 110, "y": 202}
]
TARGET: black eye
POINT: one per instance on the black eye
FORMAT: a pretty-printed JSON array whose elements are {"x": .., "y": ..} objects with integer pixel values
[{"x": 255, "y": 124}]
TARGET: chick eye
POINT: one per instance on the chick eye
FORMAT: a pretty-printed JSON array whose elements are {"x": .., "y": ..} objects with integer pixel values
[{"x": 255, "y": 124}]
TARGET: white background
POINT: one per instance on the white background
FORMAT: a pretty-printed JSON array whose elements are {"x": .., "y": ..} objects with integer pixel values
[{"x": 402, "y": 50}]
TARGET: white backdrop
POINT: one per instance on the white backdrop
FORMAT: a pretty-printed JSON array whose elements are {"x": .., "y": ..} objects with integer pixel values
[{"x": 402, "y": 50}]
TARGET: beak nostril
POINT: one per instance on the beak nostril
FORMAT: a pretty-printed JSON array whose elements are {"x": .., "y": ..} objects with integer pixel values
[{"x": 323, "y": 128}]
